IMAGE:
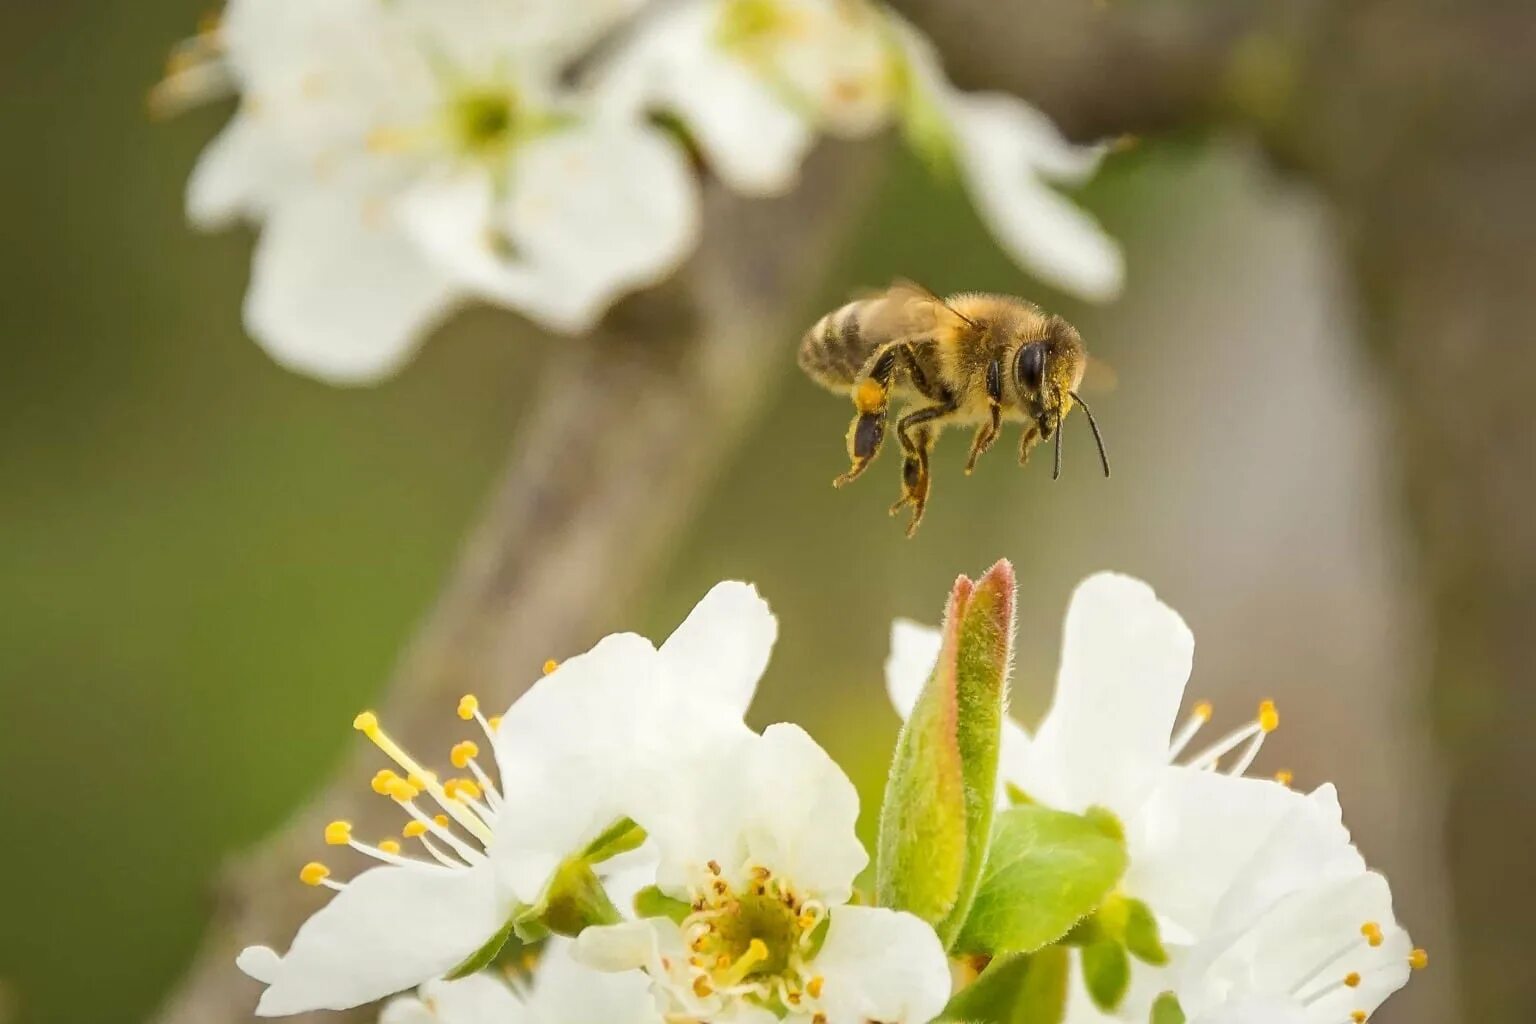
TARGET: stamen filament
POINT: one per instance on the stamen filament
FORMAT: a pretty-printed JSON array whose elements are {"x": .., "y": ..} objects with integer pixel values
[
  {"x": 1198, "y": 717},
  {"x": 1249, "y": 753},
  {"x": 463, "y": 849},
  {"x": 368, "y": 724}
]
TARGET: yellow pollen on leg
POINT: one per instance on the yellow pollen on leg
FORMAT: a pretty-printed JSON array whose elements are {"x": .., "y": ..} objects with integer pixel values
[
  {"x": 338, "y": 833},
  {"x": 550, "y": 666},
  {"x": 1352, "y": 979},
  {"x": 1269, "y": 716},
  {"x": 867, "y": 395},
  {"x": 468, "y": 705},
  {"x": 1418, "y": 959},
  {"x": 1372, "y": 932},
  {"x": 314, "y": 873},
  {"x": 463, "y": 753}
]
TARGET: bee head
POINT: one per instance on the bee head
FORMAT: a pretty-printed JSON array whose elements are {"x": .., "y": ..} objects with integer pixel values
[{"x": 1047, "y": 369}]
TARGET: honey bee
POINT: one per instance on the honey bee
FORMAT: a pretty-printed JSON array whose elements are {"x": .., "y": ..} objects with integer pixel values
[{"x": 971, "y": 359}]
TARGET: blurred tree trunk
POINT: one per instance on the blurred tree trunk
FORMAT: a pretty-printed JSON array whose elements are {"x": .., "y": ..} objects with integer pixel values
[
  {"x": 606, "y": 473},
  {"x": 1415, "y": 118}
]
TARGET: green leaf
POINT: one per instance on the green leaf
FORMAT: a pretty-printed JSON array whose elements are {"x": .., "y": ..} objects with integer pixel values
[
  {"x": 1019, "y": 989},
  {"x": 1047, "y": 870},
  {"x": 1107, "y": 973},
  {"x": 620, "y": 837},
  {"x": 652, "y": 902},
  {"x": 486, "y": 954},
  {"x": 935, "y": 823},
  {"x": 1166, "y": 1010}
]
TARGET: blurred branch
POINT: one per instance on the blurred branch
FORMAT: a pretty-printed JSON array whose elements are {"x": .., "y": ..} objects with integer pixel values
[{"x": 612, "y": 462}]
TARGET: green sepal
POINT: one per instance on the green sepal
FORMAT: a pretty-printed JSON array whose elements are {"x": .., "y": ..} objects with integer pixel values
[
  {"x": 487, "y": 954},
  {"x": 1107, "y": 973},
  {"x": 1018, "y": 989},
  {"x": 620, "y": 837},
  {"x": 652, "y": 902},
  {"x": 1046, "y": 872},
  {"x": 936, "y": 820},
  {"x": 576, "y": 899},
  {"x": 1166, "y": 1010},
  {"x": 1142, "y": 937}
]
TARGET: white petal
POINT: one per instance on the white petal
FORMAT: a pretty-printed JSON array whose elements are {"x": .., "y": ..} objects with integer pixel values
[
  {"x": 750, "y": 137},
  {"x": 407, "y": 1010},
  {"x": 722, "y": 647},
  {"x": 565, "y": 752},
  {"x": 1256, "y": 1011},
  {"x": 914, "y": 651},
  {"x": 233, "y": 176},
  {"x": 477, "y": 999},
  {"x": 626, "y": 946},
  {"x": 566, "y": 991},
  {"x": 338, "y": 293},
  {"x": 259, "y": 962},
  {"x": 881, "y": 965},
  {"x": 1003, "y": 149},
  {"x": 1197, "y": 832},
  {"x": 390, "y": 929},
  {"x": 1125, "y": 659}
]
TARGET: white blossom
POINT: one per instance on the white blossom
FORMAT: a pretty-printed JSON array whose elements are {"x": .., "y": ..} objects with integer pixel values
[
  {"x": 569, "y": 754},
  {"x": 755, "y": 81},
  {"x": 405, "y": 156},
  {"x": 1212, "y": 853},
  {"x": 756, "y": 838},
  {"x": 561, "y": 992}
]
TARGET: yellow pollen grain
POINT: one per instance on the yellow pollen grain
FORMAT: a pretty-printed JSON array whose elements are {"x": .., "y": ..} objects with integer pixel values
[
  {"x": 1204, "y": 710},
  {"x": 463, "y": 753},
  {"x": 1418, "y": 959},
  {"x": 1352, "y": 979},
  {"x": 1284, "y": 777},
  {"x": 867, "y": 395},
  {"x": 338, "y": 833},
  {"x": 814, "y": 986},
  {"x": 1269, "y": 717},
  {"x": 314, "y": 873},
  {"x": 550, "y": 666},
  {"x": 1372, "y": 932},
  {"x": 414, "y": 829},
  {"x": 468, "y": 705}
]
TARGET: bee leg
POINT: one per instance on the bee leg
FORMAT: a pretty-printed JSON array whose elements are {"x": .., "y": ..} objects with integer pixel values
[
  {"x": 914, "y": 470},
  {"x": 985, "y": 435},
  {"x": 1027, "y": 443},
  {"x": 871, "y": 397}
]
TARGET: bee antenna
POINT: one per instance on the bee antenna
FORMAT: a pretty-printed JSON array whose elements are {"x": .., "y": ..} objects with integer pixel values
[
  {"x": 1097, "y": 437},
  {"x": 1056, "y": 470}
]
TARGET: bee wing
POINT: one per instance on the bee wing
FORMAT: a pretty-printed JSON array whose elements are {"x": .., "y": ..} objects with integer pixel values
[
  {"x": 906, "y": 309},
  {"x": 1099, "y": 377}
]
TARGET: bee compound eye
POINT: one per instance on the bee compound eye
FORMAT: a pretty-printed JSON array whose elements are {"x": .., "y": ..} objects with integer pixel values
[{"x": 1029, "y": 370}]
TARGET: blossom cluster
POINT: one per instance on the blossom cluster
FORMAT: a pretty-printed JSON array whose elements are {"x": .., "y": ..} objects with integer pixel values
[
  {"x": 404, "y": 156},
  {"x": 620, "y": 846}
]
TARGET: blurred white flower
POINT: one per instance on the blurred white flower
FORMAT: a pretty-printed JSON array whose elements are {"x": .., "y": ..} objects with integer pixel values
[
  {"x": 754, "y": 81},
  {"x": 562, "y": 991},
  {"x": 569, "y": 755},
  {"x": 756, "y": 839},
  {"x": 404, "y": 156},
  {"x": 1211, "y": 852}
]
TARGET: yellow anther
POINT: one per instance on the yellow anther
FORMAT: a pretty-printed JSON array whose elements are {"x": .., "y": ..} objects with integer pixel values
[
  {"x": 461, "y": 788},
  {"x": 440, "y": 820},
  {"x": 1284, "y": 777},
  {"x": 814, "y": 986},
  {"x": 402, "y": 790},
  {"x": 722, "y": 962},
  {"x": 701, "y": 987},
  {"x": 1418, "y": 959},
  {"x": 414, "y": 829},
  {"x": 382, "y": 780},
  {"x": 806, "y": 922},
  {"x": 389, "y": 846},
  {"x": 1352, "y": 979},
  {"x": 1269, "y": 717},
  {"x": 792, "y": 997},
  {"x": 1204, "y": 710},
  {"x": 494, "y": 722},
  {"x": 714, "y": 867},
  {"x": 366, "y": 723},
  {"x": 819, "y": 1018},
  {"x": 468, "y": 705},
  {"x": 314, "y": 873},
  {"x": 421, "y": 781},
  {"x": 463, "y": 753},
  {"x": 1359, "y": 1017},
  {"x": 1372, "y": 932},
  {"x": 550, "y": 666},
  {"x": 338, "y": 833}
]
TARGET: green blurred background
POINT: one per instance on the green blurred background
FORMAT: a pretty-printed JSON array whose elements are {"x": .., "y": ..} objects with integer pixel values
[{"x": 207, "y": 564}]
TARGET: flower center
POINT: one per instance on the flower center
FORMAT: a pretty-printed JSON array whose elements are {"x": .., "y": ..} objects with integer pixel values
[
  {"x": 481, "y": 120},
  {"x": 753, "y": 940}
]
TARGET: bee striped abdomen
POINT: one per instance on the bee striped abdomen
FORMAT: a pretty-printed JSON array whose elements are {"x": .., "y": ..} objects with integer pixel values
[{"x": 835, "y": 349}]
